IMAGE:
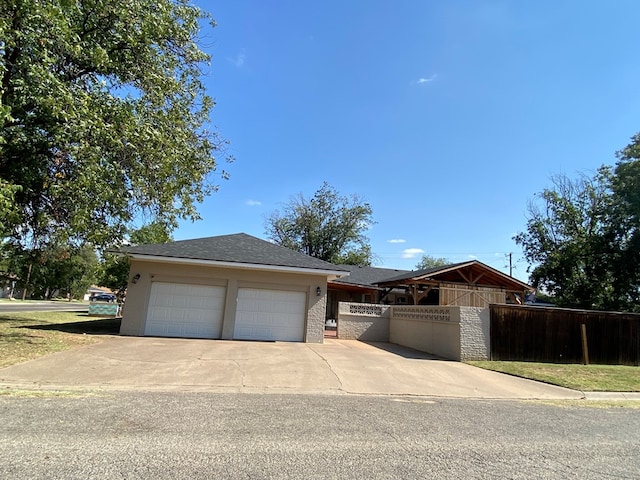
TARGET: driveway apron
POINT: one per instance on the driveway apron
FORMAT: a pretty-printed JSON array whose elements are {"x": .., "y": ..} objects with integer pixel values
[{"x": 335, "y": 367}]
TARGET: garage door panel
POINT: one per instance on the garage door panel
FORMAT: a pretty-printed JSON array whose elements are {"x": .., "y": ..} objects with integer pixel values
[
  {"x": 270, "y": 315},
  {"x": 184, "y": 310}
]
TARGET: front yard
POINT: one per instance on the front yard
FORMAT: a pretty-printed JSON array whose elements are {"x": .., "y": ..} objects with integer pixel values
[
  {"x": 28, "y": 335},
  {"x": 586, "y": 378}
]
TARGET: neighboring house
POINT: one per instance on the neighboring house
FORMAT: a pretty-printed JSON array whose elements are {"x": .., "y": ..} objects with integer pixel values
[
  {"x": 471, "y": 284},
  {"x": 229, "y": 287}
]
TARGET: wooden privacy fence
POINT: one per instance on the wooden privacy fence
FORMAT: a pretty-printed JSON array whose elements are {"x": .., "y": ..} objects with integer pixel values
[{"x": 538, "y": 334}]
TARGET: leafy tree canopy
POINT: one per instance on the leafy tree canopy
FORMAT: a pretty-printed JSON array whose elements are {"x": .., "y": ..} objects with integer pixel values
[
  {"x": 102, "y": 118},
  {"x": 583, "y": 236},
  {"x": 115, "y": 268},
  {"x": 56, "y": 269},
  {"x": 564, "y": 239},
  {"x": 432, "y": 262},
  {"x": 327, "y": 226}
]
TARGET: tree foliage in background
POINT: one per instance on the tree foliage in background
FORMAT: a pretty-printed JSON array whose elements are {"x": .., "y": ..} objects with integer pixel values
[
  {"x": 57, "y": 270},
  {"x": 115, "y": 268},
  {"x": 624, "y": 230},
  {"x": 327, "y": 226},
  {"x": 583, "y": 237},
  {"x": 102, "y": 118},
  {"x": 428, "y": 261}
]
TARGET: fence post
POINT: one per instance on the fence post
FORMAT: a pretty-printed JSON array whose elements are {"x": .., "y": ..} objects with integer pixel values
[{"x": 585, "y": 346}]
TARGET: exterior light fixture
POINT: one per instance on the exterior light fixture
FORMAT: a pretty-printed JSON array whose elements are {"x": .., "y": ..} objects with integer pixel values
[
  {"x": 135, "y": 278},
  {"x": 318, "y": 291}
]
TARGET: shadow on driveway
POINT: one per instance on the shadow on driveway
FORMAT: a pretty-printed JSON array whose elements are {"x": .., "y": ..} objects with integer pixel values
[{"x": 405, "y": 352}]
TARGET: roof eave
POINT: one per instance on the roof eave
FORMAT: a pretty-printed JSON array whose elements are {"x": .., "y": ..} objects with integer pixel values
[{"x": 245, "y": 266}]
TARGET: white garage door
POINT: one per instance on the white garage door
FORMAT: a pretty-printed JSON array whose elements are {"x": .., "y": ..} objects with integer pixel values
[
  {"x": 183, "y": 310},
  {"x": 270, "y": 315}
]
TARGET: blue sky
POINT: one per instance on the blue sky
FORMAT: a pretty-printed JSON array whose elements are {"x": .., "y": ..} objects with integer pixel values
[{"x": 446, "y": 116}]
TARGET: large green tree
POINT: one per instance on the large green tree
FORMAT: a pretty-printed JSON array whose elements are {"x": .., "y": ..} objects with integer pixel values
[
  {"x": 565, "y": 240},
  {"x": 103, "y": 118},
  {"x": 583, "y": 236},
  {"x": 328, "y": 226},
  {"x": 624, "y": 229}
]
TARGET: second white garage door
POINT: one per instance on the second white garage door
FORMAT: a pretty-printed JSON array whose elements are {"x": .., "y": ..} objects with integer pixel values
[
  {"x": 184, "y": 310},
  {"x": 270, "y": 315}
]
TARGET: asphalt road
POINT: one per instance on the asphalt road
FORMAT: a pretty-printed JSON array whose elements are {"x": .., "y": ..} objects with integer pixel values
[
  {"x": 43, "y": 306},
  {"x": 146, "y": 435}
]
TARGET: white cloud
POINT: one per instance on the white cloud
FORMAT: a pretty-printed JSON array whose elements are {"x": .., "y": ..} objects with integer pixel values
[
  {"x": 239, "y": 60},
  {"x": 412, "y": 252},
  {"x": 472, "y": 257},
  {"x": 423, "y": 80},
  {"x": 253, "y": 203},
  {"x": 397, "y": 240}
]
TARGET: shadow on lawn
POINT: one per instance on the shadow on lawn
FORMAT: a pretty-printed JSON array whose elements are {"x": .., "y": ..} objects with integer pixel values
[{"x": 100, "y": 326}]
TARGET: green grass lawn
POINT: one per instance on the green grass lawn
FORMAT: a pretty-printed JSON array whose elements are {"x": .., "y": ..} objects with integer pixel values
[
  {"x": 28, "y": 335},
  {"x": 586, "y": 378}
]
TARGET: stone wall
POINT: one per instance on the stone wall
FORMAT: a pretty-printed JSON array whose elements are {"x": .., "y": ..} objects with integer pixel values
[
  {"x": 475, "y": 340},
  {"x": 315, "y": 317}
]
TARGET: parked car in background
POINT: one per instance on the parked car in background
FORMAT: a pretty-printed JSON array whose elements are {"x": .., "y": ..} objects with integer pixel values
[{"x": 104, "y": 297}]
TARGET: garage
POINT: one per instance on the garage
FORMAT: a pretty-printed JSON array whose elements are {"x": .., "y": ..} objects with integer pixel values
[
  {"x": 273, "y": 315},
  {"x": 185, "y": 310},
  {"x": 227, "y": 287}
]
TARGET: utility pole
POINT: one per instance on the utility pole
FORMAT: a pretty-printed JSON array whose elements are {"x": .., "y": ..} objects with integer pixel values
[{"x": 510, "y": 264}]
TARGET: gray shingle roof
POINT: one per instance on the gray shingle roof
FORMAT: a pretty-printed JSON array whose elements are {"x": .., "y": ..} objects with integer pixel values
[
  {"x": 367, "y": 276},
  {"x": 236, "y": 248}
]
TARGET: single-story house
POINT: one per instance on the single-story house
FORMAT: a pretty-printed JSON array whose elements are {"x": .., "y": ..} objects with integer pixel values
[
  {"x": 227, "y": 287},
  {"x": 469, "y": 284}
]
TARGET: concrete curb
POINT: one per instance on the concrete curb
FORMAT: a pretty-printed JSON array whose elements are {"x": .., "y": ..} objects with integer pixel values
[{"x": 611, "y": 396}]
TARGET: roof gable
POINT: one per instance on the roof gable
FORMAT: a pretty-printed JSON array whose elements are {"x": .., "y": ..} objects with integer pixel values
[
  {"x": 239, "y": 248},
  {"x": 473, "y": 272}
]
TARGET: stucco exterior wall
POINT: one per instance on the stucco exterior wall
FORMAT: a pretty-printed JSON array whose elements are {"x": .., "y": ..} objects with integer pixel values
[
  {"x": 474, "y": 333},
  {"x": 367, "y": 322},
  {"x": 434, "y": 330},
  {"x": 456, "y": 333},
  {"x": 135, "y": 309}
]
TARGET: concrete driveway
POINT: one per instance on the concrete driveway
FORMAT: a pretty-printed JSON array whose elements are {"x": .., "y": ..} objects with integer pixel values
[{"x": 335, "y": 367}]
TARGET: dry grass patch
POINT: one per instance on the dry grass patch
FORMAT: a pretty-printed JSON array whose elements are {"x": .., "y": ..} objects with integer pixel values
[
  {"x": 22, "y": 393},
  {"x": 28, "y": 335}
]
